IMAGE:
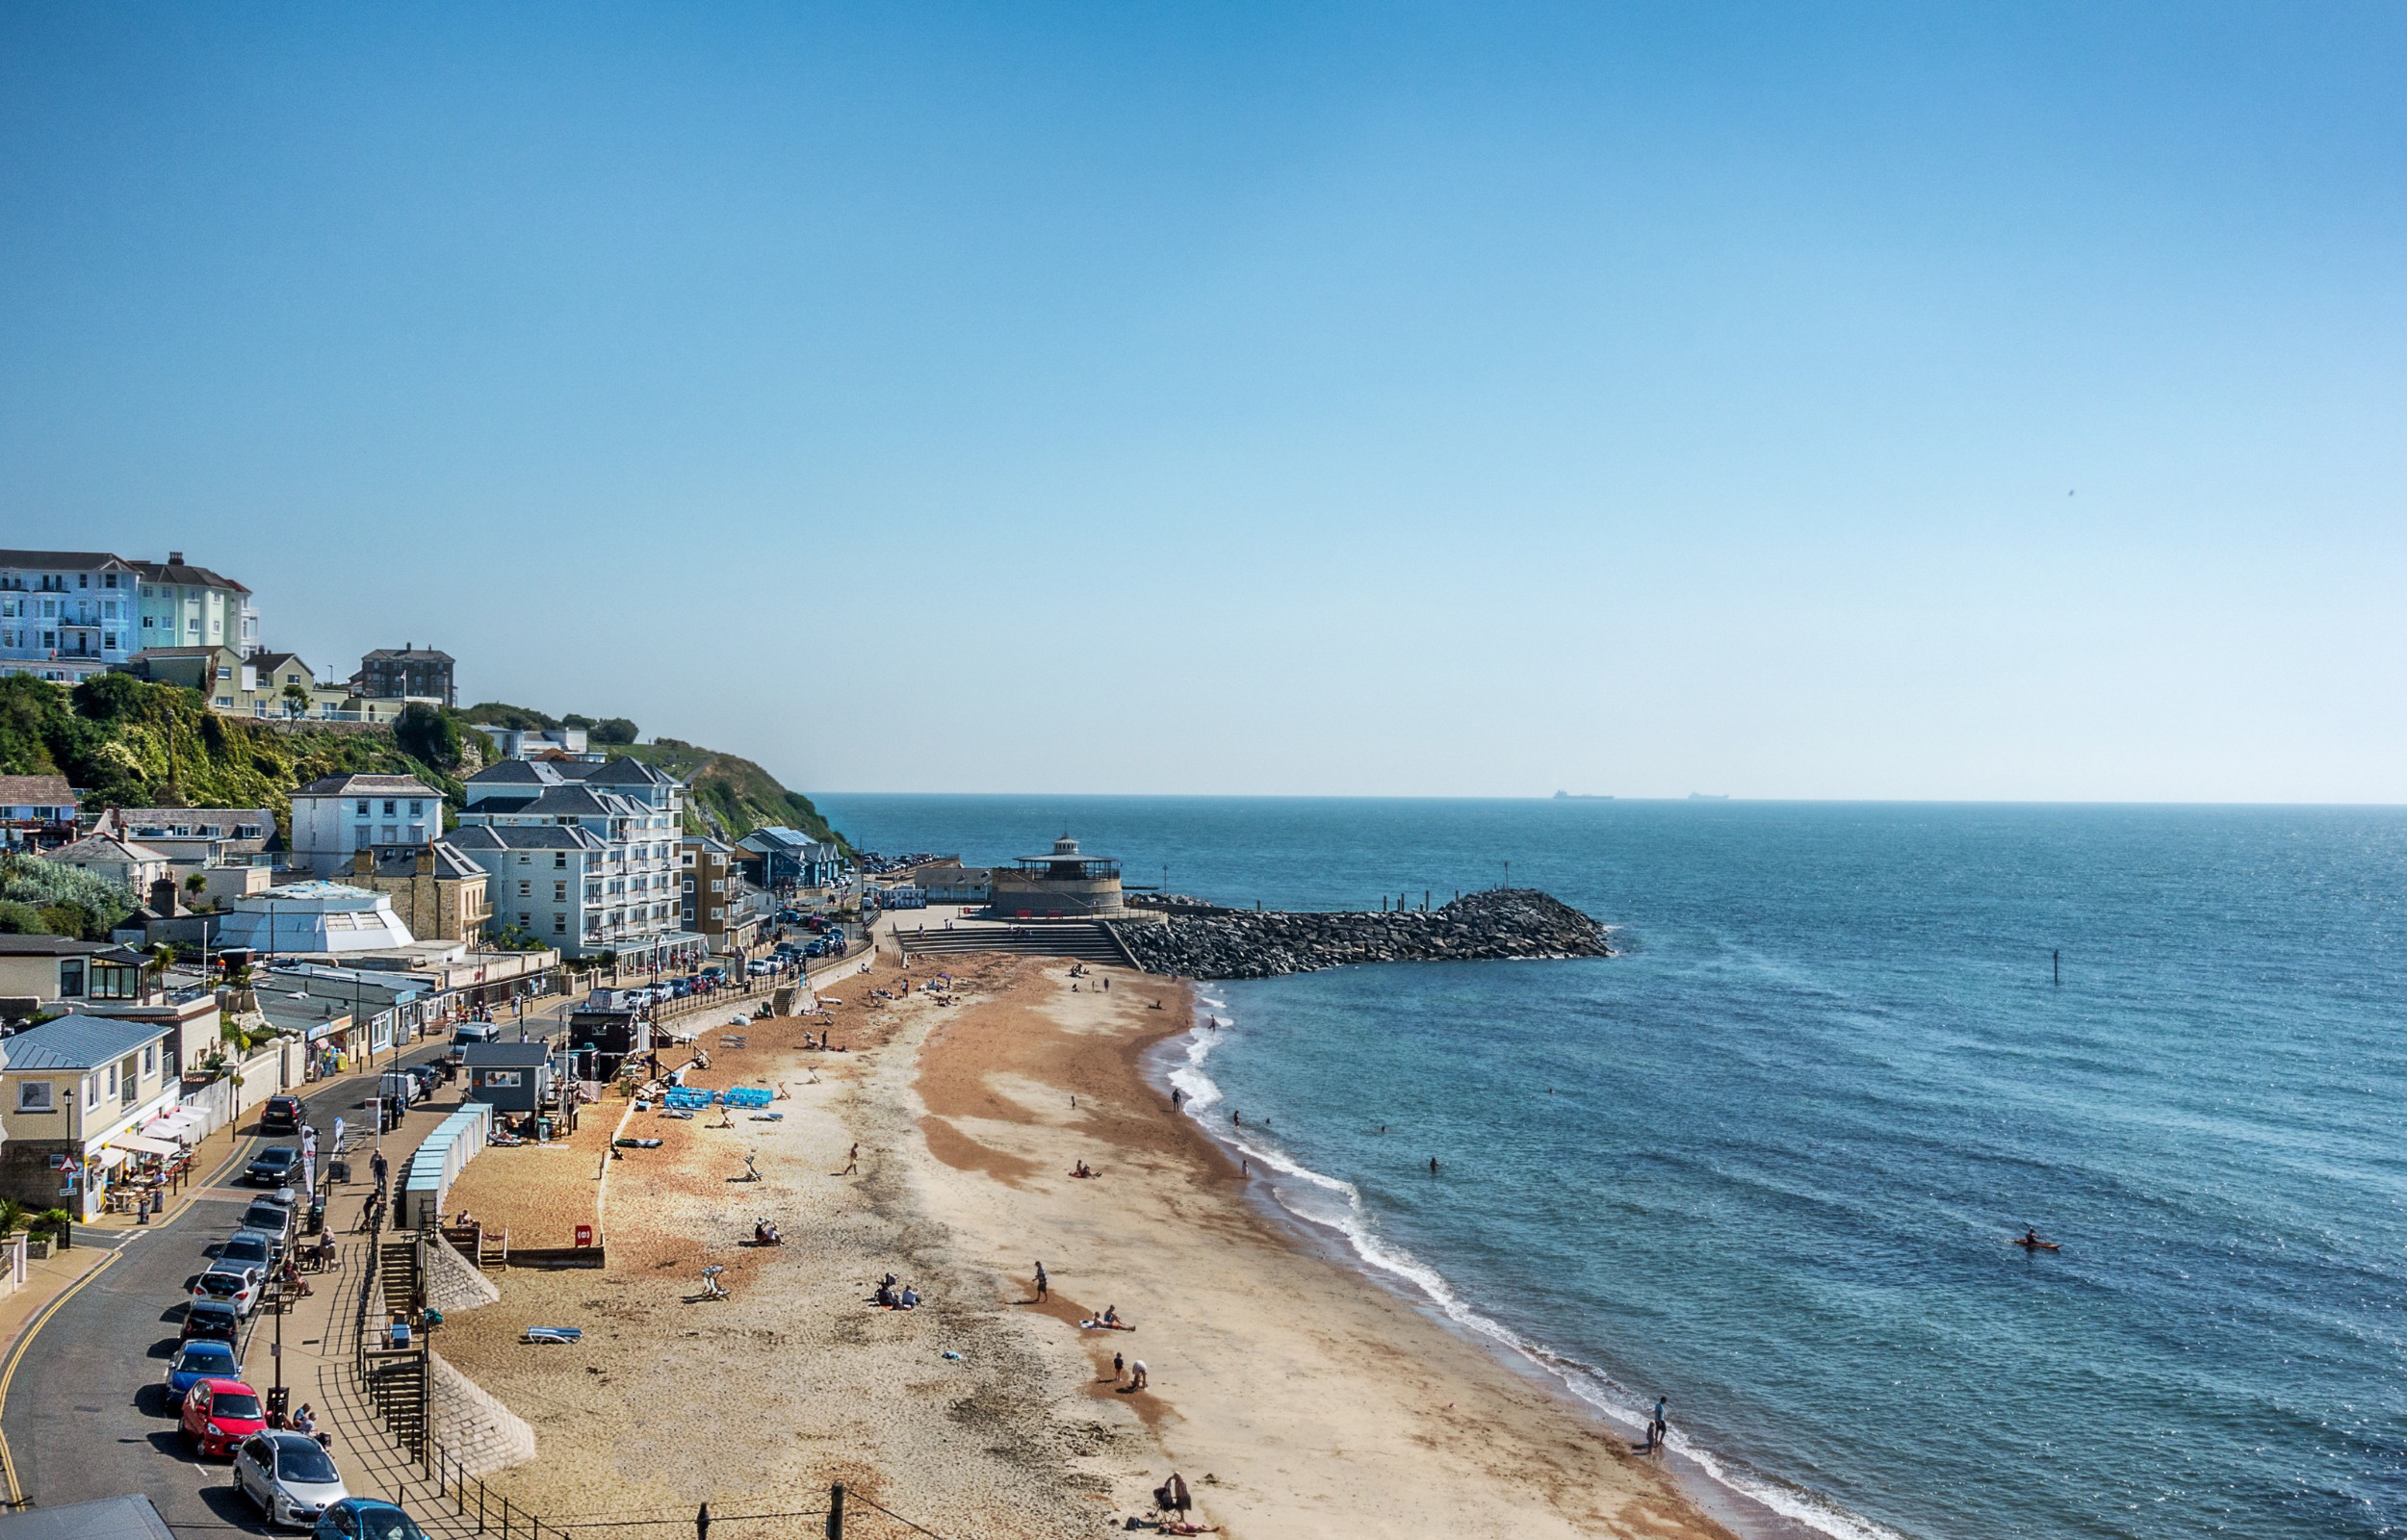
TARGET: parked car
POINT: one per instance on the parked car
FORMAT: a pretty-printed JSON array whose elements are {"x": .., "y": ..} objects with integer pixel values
[
  {"x": 219, "y": 1413},
  {"x": 282, "y": 1115},
  {"x": 468, "y": 1032},
  {"x": 290, "y": 1476},
  {"x": 248, "y": 1248},
  {"x": 759, "y": 969},
  {"x": 367, "y": 1519},
  {"x": 273, "y": 1166},
  {"x": 237, "y": 1286},
  {"x": 272, "y": 1221},
  {"x": 211, "y": 1320},
  {"x": 195, "y": 1361}
]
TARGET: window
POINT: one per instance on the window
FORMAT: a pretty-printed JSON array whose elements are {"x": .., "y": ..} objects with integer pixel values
[
  {"x": 150, "y": 1059},
  {"x": 525, "y": 888},
  {"x": 526, "y": 921},
  {"x": 388, "y": 808},
  {"x": 559, "y": 923},
  {"x": 129, "y": 1082},
  {"x": 225, "y": 673},
  {"x": 560, "y": 860},
  {"x": 688, "y": 885},
  {"x": 559, "y": 892},
  {"x": 500, "y": 1078},
  {"x": 718, "y": 885},
  {"x": 91, "y": 1091},
  {"x": 34, "y": 1096},
  {"x": 718, "y": 913},
  {"x": 109, "y": 640},
  {"x": 71, "y": 979},
  {"x": 362, "y": 809}
]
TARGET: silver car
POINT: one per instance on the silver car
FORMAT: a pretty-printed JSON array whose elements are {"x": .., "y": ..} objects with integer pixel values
[{"x": 290, "y": 1476}]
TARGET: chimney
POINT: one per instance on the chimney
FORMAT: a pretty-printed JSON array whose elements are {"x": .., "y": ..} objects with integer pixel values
[
  {"x": 176, "y": 558},
  {"x": 163, "y": 896}
]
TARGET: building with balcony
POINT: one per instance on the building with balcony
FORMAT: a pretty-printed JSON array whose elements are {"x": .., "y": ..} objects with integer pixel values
[
  {"x": 716, "y": 901},
  {"x": 184, "y": 605},
  {"x": 68, "y": 615},
  {"x": 37, "y": 812},
  {"x": 782, "y": 860},
  {"x": 124, "y": 861},
  {"x": 617, "y": 888}
]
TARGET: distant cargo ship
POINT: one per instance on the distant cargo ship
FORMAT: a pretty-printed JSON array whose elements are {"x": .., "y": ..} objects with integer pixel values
[{"x": 1583, "y": 796}]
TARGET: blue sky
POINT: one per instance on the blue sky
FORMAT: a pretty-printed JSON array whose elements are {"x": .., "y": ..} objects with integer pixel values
[{"x": 1916, "y": 402}]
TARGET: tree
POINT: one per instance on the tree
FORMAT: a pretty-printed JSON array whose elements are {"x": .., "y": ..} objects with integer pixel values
[
  {"x": 295, "y": 701},
  {"x": 613, "y": 729},
  {"x": 430, "y": 734}
]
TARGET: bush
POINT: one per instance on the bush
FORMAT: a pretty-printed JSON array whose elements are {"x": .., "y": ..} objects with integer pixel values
[
  {"x": 12, "y": 1215},
  {"x": 66, "y": 901},
  {"x": 429, "y": 734},
  {"x": 20, "y": 919},
  {"x": 54, "y": 1222},
  {"x": 613, "y": 729}
]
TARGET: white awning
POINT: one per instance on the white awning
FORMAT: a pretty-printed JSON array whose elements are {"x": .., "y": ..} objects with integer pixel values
[
  {"x": 173, "y": 1125},
  {"x": 108, "y": 1159},
  {"x": 147, "y": 1147}
]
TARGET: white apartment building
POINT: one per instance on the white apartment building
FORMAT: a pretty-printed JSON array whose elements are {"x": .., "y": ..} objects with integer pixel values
[
  {"x": 341, "y": 814},
  {"x": 614, "y": 891},
  {"x": 68, "y": 615}
]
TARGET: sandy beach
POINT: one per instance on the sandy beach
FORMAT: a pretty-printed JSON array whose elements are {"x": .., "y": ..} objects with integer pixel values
[{"x": 1296, "y": 1397}]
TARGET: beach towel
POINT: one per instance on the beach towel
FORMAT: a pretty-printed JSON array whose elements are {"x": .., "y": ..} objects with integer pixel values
[{"x": 559, "y": 1335}]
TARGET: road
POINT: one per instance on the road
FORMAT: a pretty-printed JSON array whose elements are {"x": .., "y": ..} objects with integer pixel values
[{"x": 86, "y": 1412}]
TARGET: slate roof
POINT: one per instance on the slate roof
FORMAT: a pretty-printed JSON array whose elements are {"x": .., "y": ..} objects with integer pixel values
[
  {"x": 516, "y": 773},
  {"x": 48, "y": 946},
  {"x": 36, "y": 791},
  {"x": 77, "y": 1043},
  {"x": 624, "y": 771},
  {"x": 532, "y": 836},
  {"x": 60, "y": 560},
  {"x": 126, "y": 1518},
  {"x": 390, "y": 654},
  {"x": 504, "y": 1055},
  {"x": 367, "y": 786},
  {"x": 183, "y": 572}
]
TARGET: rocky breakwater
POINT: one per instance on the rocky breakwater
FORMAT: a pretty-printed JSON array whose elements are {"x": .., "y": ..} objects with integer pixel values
[{"x": 1203, "y": 941}]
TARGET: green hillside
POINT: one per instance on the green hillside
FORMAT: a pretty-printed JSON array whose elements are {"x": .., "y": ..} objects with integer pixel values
[
  {"x": 128, "y": 743},
  {"x": 729, "y": 797}
]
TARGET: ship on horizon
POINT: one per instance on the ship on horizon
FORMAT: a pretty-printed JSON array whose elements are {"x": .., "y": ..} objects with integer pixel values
[{"x": 1583, "y": 796}]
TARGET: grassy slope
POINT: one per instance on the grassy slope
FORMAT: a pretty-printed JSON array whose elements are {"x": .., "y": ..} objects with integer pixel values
[
  {"x": 732, "y": 797},
  {"x": 132, "y": 744}
]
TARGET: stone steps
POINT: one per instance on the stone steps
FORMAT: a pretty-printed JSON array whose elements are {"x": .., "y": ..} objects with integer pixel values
[{"x": 1082, "y": 941}]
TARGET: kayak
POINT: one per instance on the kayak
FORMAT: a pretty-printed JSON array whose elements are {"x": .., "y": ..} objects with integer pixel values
[{"x": 2036, "y": 1245}]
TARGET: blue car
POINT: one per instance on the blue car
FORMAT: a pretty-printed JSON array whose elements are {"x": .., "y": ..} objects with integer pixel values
[
  {"x": 197, "y": 1361},
  {"x": 365, "y": 1519}
]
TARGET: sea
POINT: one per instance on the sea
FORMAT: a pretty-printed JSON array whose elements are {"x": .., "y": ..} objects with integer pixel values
[{"x": 1767, "y": 1161}]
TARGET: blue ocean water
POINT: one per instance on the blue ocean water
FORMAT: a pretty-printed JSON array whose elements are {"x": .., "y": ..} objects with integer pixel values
[{"x": 1766, "y": 1161}]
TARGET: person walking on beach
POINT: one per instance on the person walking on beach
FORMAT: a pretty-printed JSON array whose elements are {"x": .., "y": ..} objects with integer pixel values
[
  {"x": 1043, "y": 1285},
  {"x": 1120, "y": 1368},
  {"x": 1656, "y": 1428},
  {"x": 852, "y": 1162}
]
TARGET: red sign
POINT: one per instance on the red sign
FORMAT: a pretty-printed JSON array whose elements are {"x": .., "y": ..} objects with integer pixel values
[{"x": 584, "y": 1235}]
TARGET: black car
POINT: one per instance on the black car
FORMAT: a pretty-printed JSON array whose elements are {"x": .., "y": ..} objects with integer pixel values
[
  {"x": 274, "y": 1167},
  {"x": 282, "y": 1115},
  {"x": 213, "y": 1320}
]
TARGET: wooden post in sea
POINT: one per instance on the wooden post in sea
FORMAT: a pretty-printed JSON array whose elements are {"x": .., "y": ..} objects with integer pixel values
[
  {"x": 2057, "y": 959},
  {"x": 835, "y": 1512}
]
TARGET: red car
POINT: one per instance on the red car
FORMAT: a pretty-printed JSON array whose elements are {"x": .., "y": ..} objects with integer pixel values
[{"x": 219, "y": 1413}]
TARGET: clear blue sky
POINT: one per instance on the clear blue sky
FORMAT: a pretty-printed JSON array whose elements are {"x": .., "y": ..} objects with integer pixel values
[{"x": 1807, "y": 401}]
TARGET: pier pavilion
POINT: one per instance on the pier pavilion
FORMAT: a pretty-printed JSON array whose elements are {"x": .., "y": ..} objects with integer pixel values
[{"x": 1063, "y": 883}]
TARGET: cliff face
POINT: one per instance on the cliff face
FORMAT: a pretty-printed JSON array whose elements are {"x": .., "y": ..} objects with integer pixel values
[
  {"x": 1203, "y": 942},
  {"x": 133, "y": 744}
]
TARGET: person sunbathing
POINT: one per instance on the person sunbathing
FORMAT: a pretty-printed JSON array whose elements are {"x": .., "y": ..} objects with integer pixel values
[
  {"x": 1083, "y": 1170},
  {"x": 764, "y": 1233}
]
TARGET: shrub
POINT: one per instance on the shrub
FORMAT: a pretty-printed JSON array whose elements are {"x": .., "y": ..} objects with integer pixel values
[
  {"x": 613, "y": 729},
  {"x": 429, "y": 734}
]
